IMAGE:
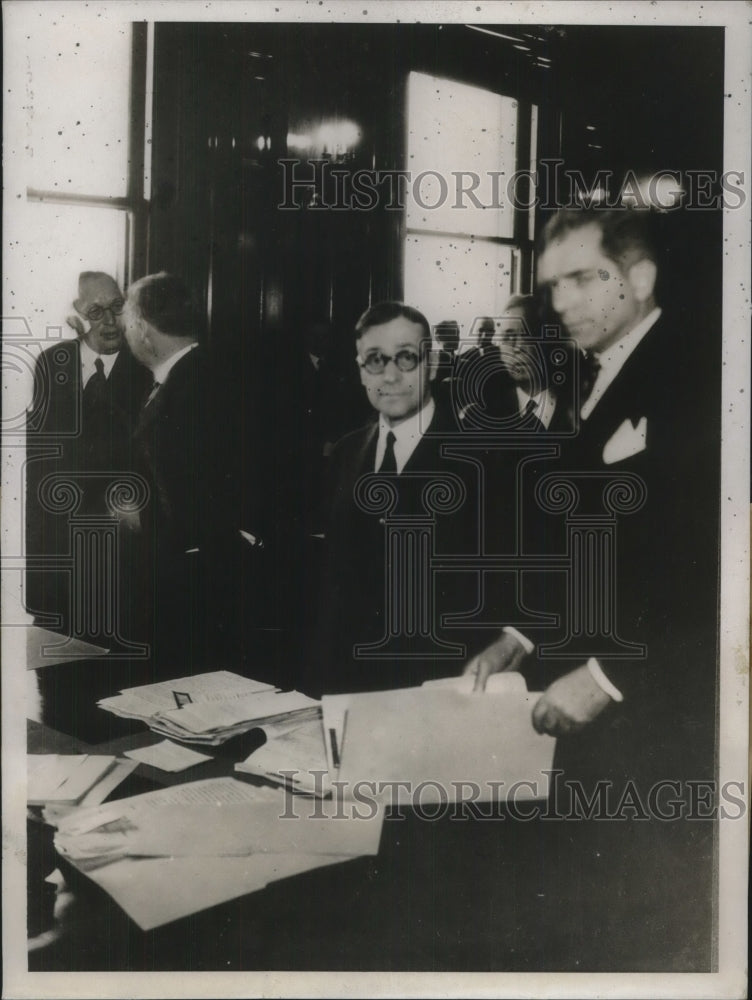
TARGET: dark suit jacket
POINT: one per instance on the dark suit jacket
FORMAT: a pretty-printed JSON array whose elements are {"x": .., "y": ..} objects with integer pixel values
[
  {"x": 73, "y": 436},
  {"x": 174, "y": 434},
  {"x": 665, "y": 559},
  {"x": 89, "y": 439},
  {"x": 200, "y": 576},
  {"x": 358, "y": 567}
]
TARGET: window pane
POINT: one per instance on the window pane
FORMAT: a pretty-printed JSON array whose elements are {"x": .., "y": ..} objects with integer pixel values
[
  {"x": 54, "y": 243},
  {"x": 78, "y": 107},
  {"x": 458, "y": 135},
  {"x": 533, "y": 165},
  {"x": 450, "y": 278}
]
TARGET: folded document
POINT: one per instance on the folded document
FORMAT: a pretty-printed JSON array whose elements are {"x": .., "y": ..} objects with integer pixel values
[
  {"x": 293, "y": 755},
  {"x": 215, "y": 817},
  {"x": 205, "y": 842},
  {"x": 441, "y": 742}
]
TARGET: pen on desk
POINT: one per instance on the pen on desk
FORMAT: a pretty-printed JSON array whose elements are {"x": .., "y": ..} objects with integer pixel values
[
  {"x": 474, "y": 673},
  {"x": 333, "y": 743}
]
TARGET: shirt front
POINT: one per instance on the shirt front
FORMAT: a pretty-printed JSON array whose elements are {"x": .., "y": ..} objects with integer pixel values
[
  {"x": 545, "y": 404},
  {"x": 612, "y": 361},
  {"x": 88, "y": 362},
  {"x": 407, "y": 435}
]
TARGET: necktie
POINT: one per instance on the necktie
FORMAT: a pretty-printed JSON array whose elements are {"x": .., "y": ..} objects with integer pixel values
[
  {"x": 97, "y": 381},
  {"x": 389, "y": 463},
  {"x": 532, "y": 420},
  {"x": 589, "y": 368},
  {"x": 154, "y": 390}
]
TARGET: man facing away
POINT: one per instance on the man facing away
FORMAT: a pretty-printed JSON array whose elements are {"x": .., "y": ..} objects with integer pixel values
[
  {"x": 190, "y": 528},
  {"x": 367, "y": 591}
]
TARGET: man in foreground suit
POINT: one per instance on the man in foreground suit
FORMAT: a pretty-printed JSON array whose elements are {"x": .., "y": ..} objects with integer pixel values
[
  {"x": 368, "y": 593},
  {"x": 631, "y": 691},
  {"x": 601, "y": 272},
  {"x": 87, "y": 394}
]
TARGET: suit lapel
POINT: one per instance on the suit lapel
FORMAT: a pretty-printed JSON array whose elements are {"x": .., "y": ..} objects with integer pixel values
[
  {"x": 365, "y": 454},
  {"x": 632, "y": 394},
  {"x": 425, "y": 453}
]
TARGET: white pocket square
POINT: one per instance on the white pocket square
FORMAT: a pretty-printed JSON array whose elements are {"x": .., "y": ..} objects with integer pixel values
[{"x": 628, "y": 440}]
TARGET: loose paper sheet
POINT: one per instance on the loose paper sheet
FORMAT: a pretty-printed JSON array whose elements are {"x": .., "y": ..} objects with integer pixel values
[
  {"x": 155, "y": 891},
  {"x": 167, "y": 756},
  {"x": 443, "y": 741}
]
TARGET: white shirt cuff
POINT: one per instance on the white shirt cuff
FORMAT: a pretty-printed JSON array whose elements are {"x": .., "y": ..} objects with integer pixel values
[
  {"x": 521, "y": 639},
  {"x": 602, "y": 681}
]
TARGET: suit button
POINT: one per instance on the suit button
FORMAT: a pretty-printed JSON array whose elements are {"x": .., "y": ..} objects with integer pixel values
[{"x": 382, "y": 520}]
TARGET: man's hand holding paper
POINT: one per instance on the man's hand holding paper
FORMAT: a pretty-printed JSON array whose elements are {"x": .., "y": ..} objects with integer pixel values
[{"x": 507, "y": 653}]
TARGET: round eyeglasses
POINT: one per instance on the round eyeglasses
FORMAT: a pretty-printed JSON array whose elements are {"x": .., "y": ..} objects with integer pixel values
[
  {"x": 376, "y": 361},
  {"x": 97, "y": 312}
]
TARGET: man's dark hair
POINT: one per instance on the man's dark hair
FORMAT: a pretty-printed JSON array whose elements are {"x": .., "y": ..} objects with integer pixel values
[
  {"x": 385, "y": 312},
  {"x": 447, "y": 334},
  {"x": 626, "y": 235},
  {"x": 164, "y": 301}
]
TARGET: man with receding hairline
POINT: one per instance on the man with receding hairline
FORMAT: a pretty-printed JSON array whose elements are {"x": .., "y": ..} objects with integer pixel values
[{"x": 87, "y": 393}]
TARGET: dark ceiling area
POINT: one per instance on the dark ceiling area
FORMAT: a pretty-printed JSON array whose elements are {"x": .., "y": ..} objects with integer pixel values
[{"x": 656, "y": 94}]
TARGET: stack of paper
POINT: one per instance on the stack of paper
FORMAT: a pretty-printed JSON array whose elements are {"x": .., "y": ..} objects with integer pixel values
[
  {"x": 179, "y": 850},
  {"x": 69, "y": 779},
  {"x": 209, "y": 708},
  {"x": 293, "y": 755}
]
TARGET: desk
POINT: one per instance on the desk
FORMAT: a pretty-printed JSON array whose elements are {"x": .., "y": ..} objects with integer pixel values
[
  {"x": 422, "y": 904},
  {"x": 452, "y": 894}
]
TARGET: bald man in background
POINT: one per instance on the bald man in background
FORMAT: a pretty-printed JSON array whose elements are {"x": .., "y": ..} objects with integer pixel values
[{"x": 87, "y": 394}]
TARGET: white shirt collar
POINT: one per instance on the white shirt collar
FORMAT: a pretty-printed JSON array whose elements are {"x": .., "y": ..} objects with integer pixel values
[
  {"x": 163, "y": 369},
  {"x": 88, "y": 361},
  {"x": 613, "y": 359},
  {"x": 406, "y": 435}
]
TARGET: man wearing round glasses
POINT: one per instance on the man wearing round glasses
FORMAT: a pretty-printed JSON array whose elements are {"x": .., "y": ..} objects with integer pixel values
[
  {"x": 100, "y": 302},
  {"x": 396, "y": 371},
  {"x": 403, "y": 445}
]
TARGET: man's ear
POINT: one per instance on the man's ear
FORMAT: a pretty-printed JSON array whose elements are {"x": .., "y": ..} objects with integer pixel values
[
  {"x": 145, "y": 336},
  {"x": 642, "y": 277},
  {"x": 79, "y": 305},
  {"x": 76, "y": 324}
]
